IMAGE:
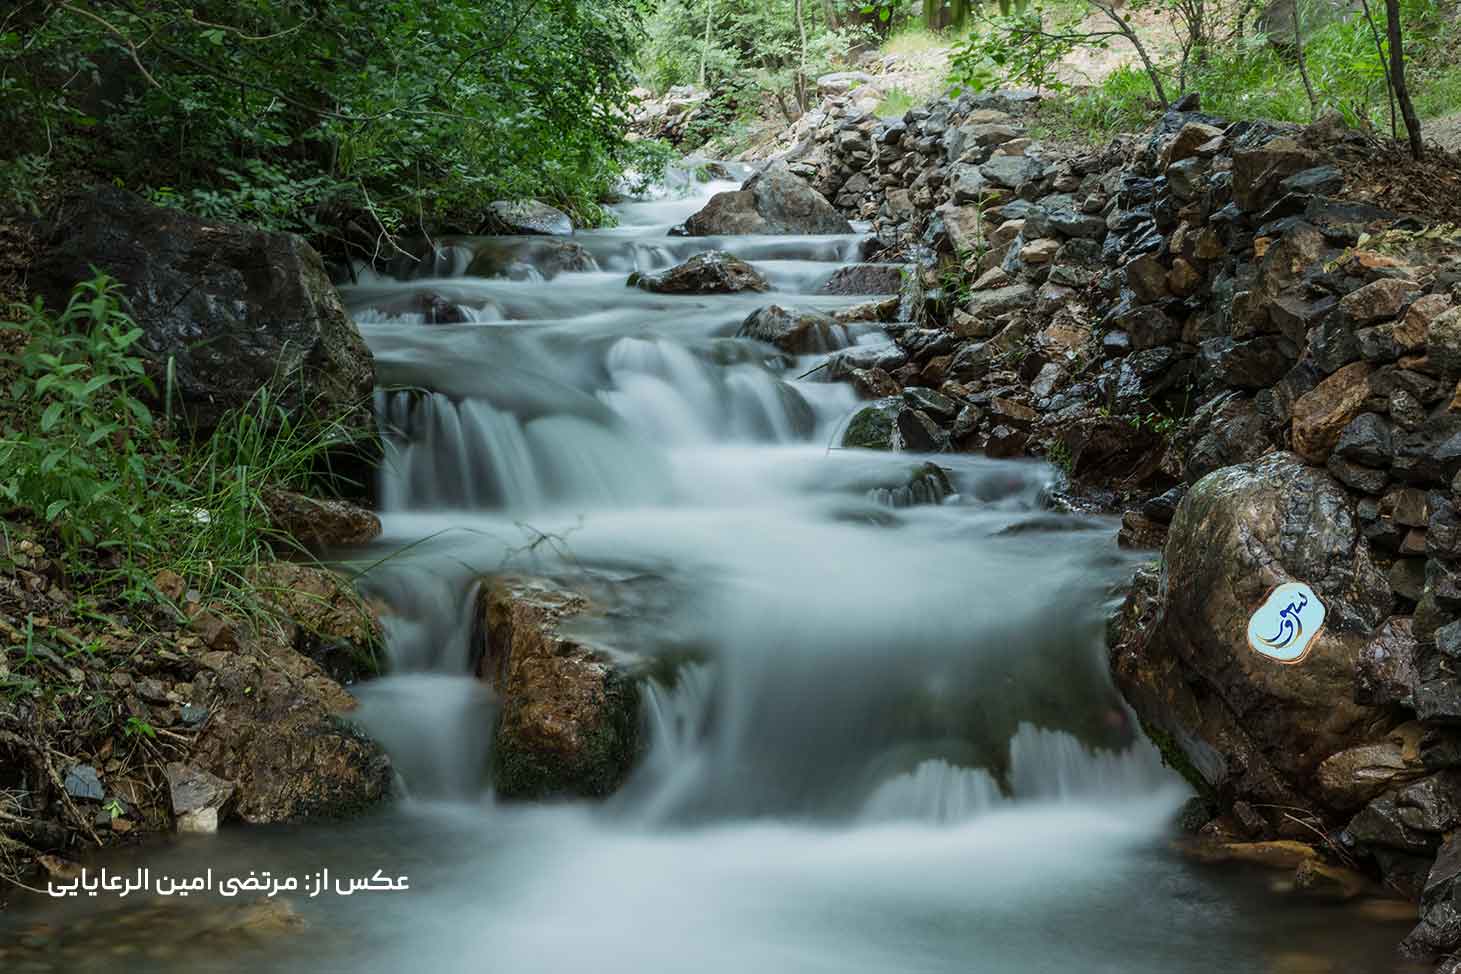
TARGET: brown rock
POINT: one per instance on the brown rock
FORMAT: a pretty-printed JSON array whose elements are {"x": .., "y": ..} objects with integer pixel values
[
  {"x": 1258, "y": 171},
  {"x": 1188, "y": 141},
  {"x": 569, "y": 723},
  {"x": 1350, "y": 778},
  {"x": 873, "y": 383},
  {"x": 1284, "y": 854},
  {"x": 319, "y": 523},
  {"x": 1011, "y": 412},
  {"x": 1040, "y": 251},
  {"x": 1183, "y": 279},
  {"x": 1146, "y": 276},
  {"x": 1321, "y": 414},
  {"x": 1377, "y": 301}
]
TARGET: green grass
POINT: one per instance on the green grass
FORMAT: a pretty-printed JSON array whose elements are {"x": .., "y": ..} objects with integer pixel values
[
  {"x": 895, "y": 103},
  {"x": 82, "y": 456},
  {"x": 915, "y": 39},
  {"x": 1249, "y": 79}
]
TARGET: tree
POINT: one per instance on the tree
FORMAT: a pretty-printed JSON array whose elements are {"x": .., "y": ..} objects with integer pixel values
[{"x": 1397, "y": 77}]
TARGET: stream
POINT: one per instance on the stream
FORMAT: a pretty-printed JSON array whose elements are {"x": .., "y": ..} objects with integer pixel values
[{"x": 881, "y": 734}]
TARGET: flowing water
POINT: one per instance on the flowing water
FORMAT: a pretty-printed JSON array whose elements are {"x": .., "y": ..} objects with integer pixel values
[{"x": 881, "y": 735}]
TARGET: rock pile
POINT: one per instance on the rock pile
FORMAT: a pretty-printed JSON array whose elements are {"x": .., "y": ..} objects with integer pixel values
[{"x": 1209, "y": 328}]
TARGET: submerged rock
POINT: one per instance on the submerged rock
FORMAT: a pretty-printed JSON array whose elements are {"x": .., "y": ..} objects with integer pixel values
[
  {"x": 773, "y": 201},
  {"x": 569, "y": 723},
  {"x": 713, "y": 272},
  {"x": 523, "y": 259}
]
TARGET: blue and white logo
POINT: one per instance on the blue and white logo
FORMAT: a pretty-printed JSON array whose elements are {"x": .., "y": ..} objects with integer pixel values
[{"x": 1287, "y": 623}]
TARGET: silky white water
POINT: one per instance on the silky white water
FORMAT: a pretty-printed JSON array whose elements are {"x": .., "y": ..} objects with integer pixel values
[{"x": 881, "y": 739}]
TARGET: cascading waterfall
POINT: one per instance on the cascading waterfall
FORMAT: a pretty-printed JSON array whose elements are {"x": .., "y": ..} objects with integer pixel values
[{"x": 881, "y": 735}]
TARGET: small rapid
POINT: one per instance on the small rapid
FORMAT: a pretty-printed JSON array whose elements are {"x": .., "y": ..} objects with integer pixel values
[{"x": 880, "y": 732}]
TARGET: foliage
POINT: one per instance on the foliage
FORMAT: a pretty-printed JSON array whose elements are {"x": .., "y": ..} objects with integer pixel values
[
  {"x": 82, "y": 453},
  {"x": 1250, "y": 77},
  {"x": 300, "y": 114},
  {"x": 1022, "y": 49},
  {"x": 895, "y": 103},
  {"x": 744, "y": 52}
]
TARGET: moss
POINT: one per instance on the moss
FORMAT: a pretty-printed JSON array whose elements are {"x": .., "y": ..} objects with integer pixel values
[
  {"x": 1175, "y": 758},
  {"x": 871, "y": 428}
]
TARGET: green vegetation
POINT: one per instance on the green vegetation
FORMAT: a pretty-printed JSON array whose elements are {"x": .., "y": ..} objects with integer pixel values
[
  {"x": 82, "y": 455},
  {"x": 292, "y": 114},
  {"x": 1249, "y": 75}
]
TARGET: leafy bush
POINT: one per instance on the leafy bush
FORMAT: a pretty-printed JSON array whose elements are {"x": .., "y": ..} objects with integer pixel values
[
  {"x": 81, "y": 452},
  {"x": 305, "y": 115}
]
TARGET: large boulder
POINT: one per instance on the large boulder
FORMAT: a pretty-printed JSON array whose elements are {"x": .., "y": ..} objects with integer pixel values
[
  {"x": 1243, "y": 724},
  {"x": 527, "y": 258},
  {"x": 569, "y": 722},
  {"x": 773, "y": 201},
  {"x": 713, "y": 272},
  {"x": 225, "y": 310}
]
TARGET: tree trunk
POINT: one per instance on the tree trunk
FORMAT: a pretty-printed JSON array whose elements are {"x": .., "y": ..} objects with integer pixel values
[
  {"x": 1397, "y": 78},
  {"x": 1303, "y": 66},
  {"x": 801, "y": 59},
  {"x": 1380, "y": 52},
  {"x": 705, "y": 51},
  {"x": 1130, "y": 34}
]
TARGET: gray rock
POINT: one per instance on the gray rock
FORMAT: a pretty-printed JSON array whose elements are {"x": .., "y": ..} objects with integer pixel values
[
  {"x": 773, "y": 201},
  {"x": 82, "y": 781},
  {"x": 225, "y": 310},
  {"x": 527, "y": 217},
  {"x": 794, "y": 331},
  {"x": 712, "y": 272},
  {"x": 200, "y": 801},
  {"x": 1366, "y": 440}
]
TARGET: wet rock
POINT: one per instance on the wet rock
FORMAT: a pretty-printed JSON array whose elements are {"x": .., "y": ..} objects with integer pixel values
[
  {"x": 1386, "y": 671},
  {"x": 1364, "y": 479},
  {"x": 1188, "y": 142},
  {"x": 1162, "y": 507},
  {"x": 225, "y": 310},
  {"x": 520, "y": 259},
  {"x": 200, "y": 801},
  {"x": 1147, "y": 278},
  {"x": 569, "y": 721},
  {"x": 527, "y": 217},
  {"x": 276, "y": 729},
  {"x": 1225, "y": 430},
  {"x": 1253, "y": 364},
  {"x": 915, "y": 432},
  {"x": 794, "y": 331},
  {"x": 1366, "y": 440},
  {"x": 712, "y": 272},
  {"x": 773, "y": 201},
  {"x": 871, "y": 427},
  {"x": 1147, "y": 326},
  {"x": 866, "y": 279},
  {"x": 1350, "y": 778},
  {"x": 933, "y": 403},
  {"x": 873, "y": 383},
  {"x": 1260, "y": 729},
  {"x": 1321, "y": 180},
  {"x": 1005, "y": 441},
  {"x": 1322, "y": 414},
  {"x": 319, "y": 523},
  {"x": 322, "y": 618}
]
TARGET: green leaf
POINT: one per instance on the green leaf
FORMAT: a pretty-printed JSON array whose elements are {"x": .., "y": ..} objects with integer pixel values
[
  {"x": 55, "y": 508},
  {"x": 51, "y": 416}
]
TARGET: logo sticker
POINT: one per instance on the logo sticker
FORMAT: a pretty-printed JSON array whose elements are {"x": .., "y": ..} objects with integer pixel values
[{"x": 1287, "y": 623}]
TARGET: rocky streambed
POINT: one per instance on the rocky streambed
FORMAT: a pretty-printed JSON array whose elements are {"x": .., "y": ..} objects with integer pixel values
[{"x": 727, "y": 622}]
